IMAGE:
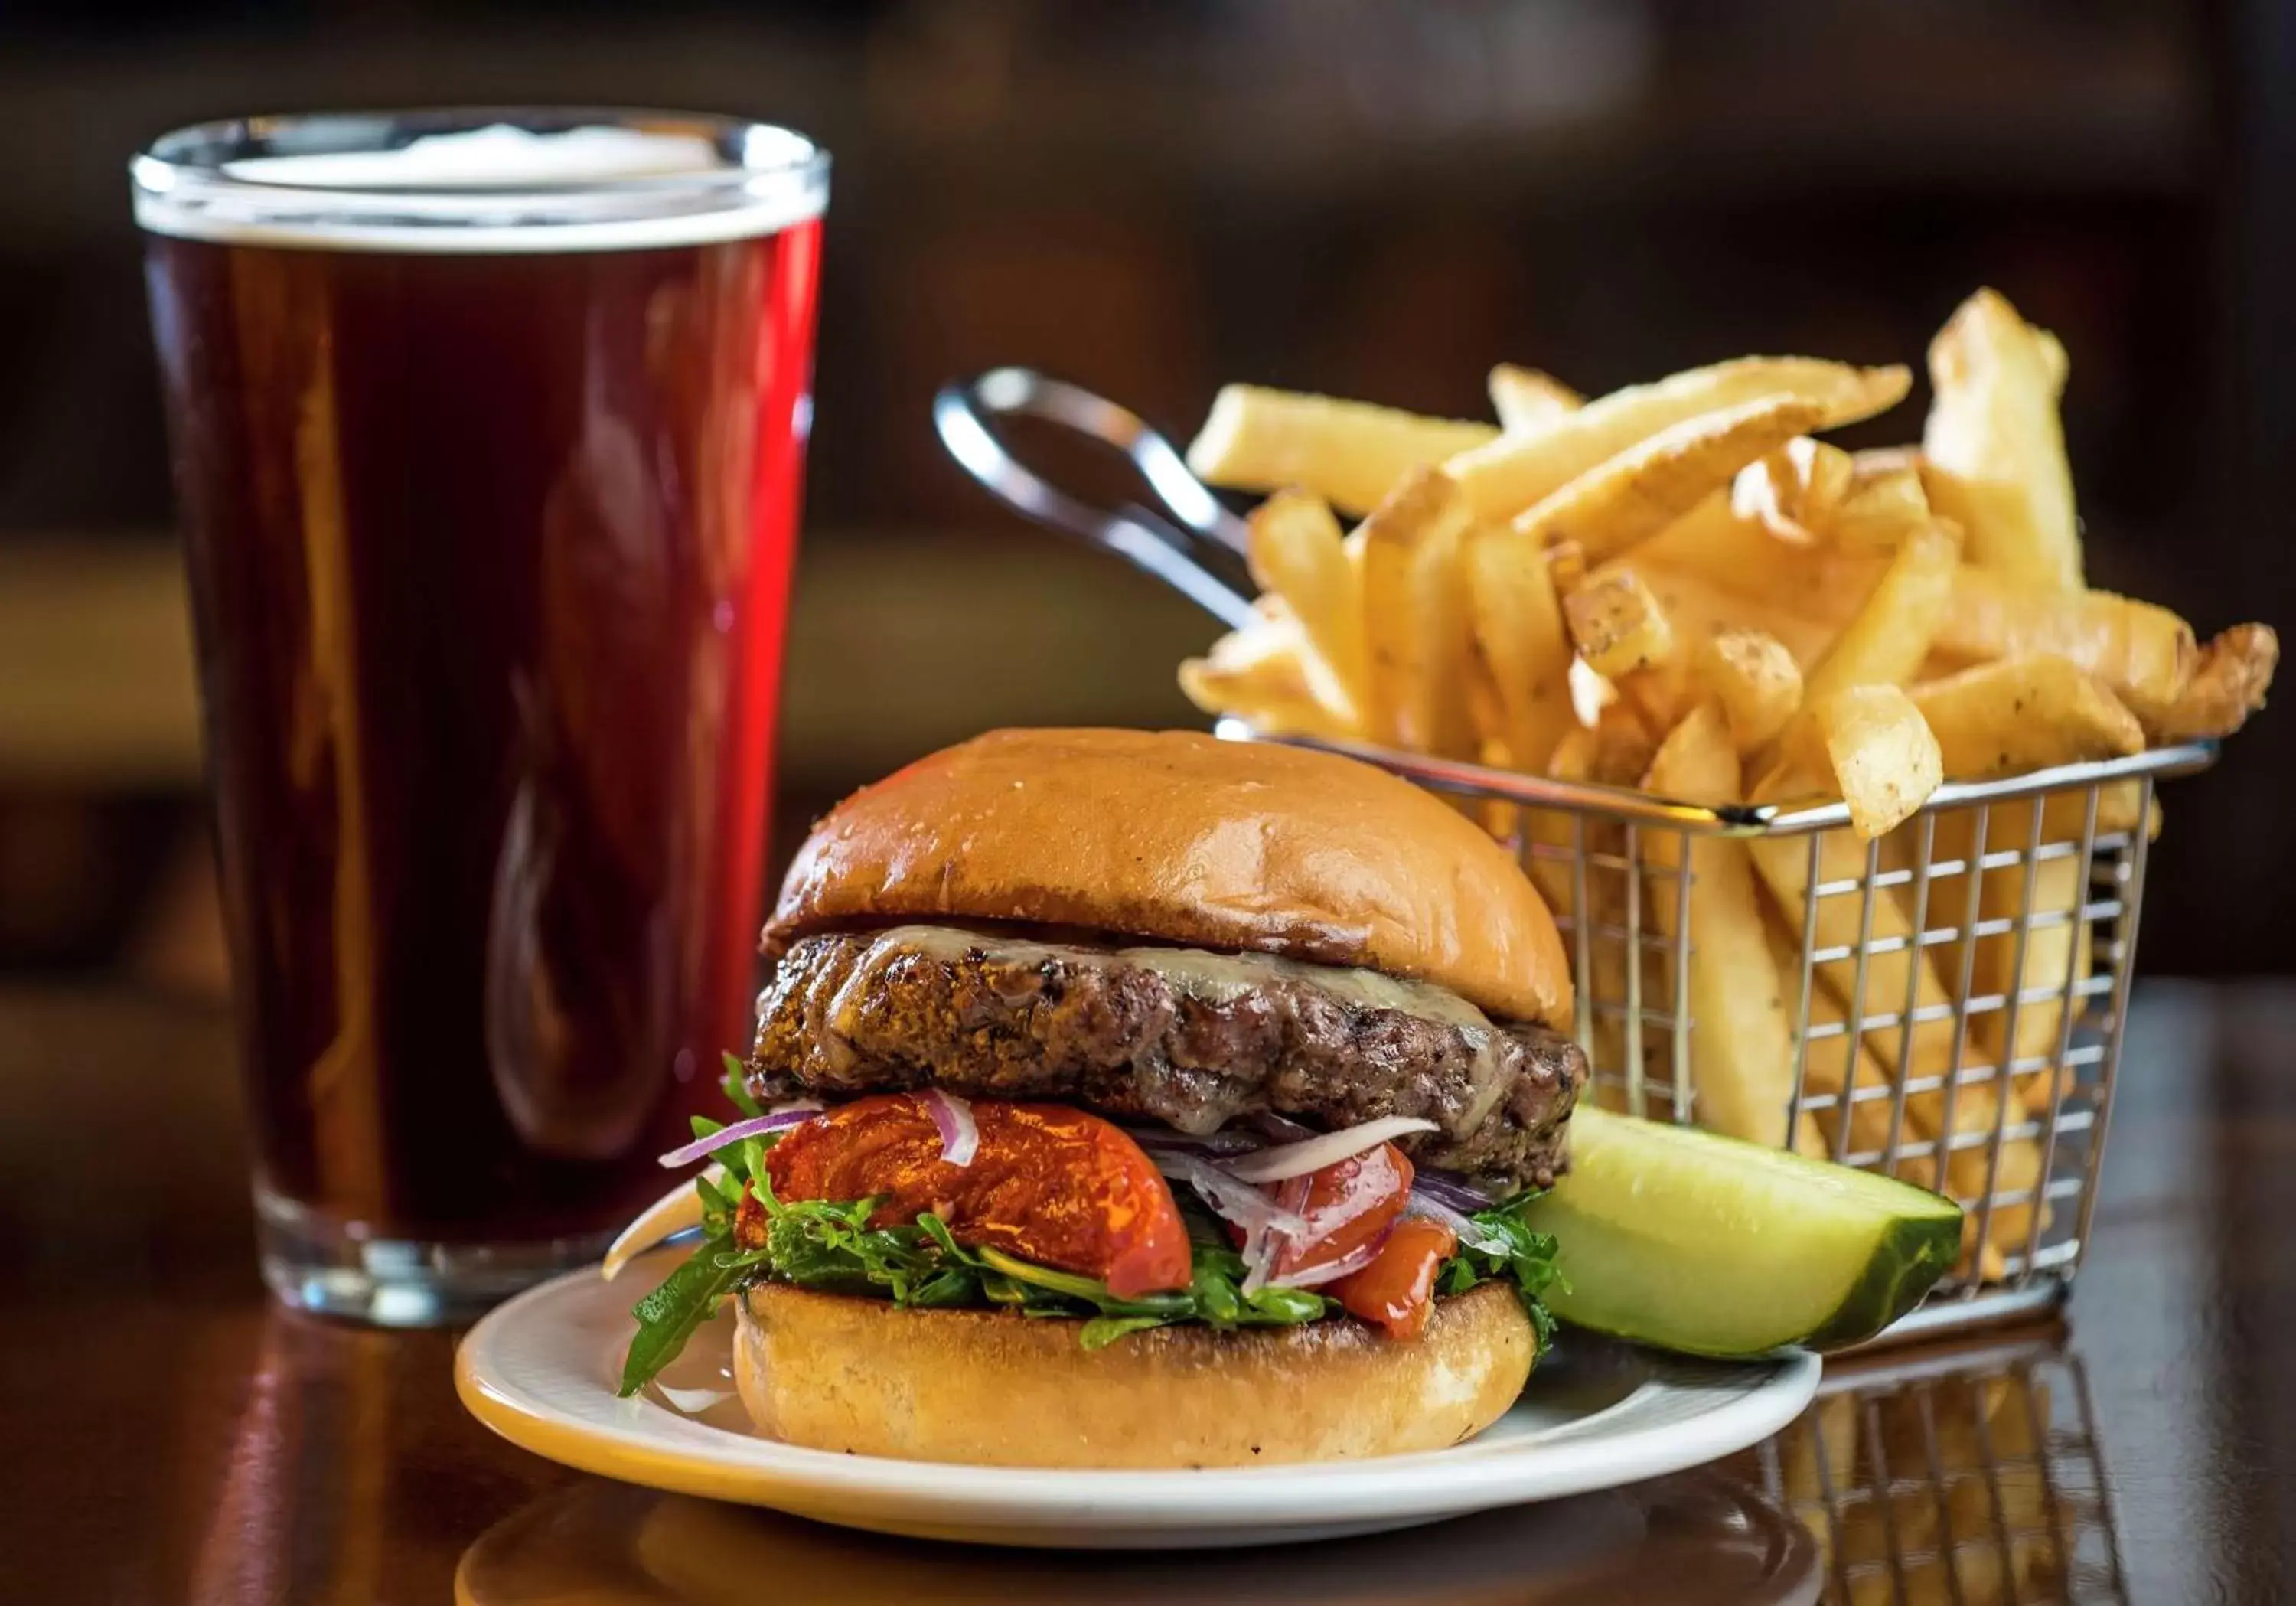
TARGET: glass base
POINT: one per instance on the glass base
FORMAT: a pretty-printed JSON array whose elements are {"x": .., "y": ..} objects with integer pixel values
[{"x": 317, "y": 1263}]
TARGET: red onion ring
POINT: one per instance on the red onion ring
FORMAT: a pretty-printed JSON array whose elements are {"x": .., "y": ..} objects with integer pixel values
[
  {"x": 1452, "y": 1189},
  {"x": 1231, "y": 1200},
  {"x": 1426, "y": 1208},
  {"x": 1260, "y": 1255},
  {"x": 1226, "y": 1141},
  {"x": 1288, "y": 1160},
  {"x": 1354, "y": 1260},
  {"x": 788, "y": 1115},
  {"x": 952, "y": 1118}
]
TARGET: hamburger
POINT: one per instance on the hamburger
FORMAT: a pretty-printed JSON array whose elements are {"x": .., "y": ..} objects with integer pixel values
[{"x": 1123, "y": 1099}]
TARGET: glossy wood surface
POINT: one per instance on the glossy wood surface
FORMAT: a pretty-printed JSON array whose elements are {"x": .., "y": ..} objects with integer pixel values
[{"x": 168, "y": 1434}]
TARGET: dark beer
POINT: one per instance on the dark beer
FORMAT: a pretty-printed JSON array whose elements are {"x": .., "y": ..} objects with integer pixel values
[{"x": 489, "y": 554}]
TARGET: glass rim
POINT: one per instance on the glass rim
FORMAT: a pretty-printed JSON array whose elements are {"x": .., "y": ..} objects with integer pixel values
[{"x": 209, "y": 181}]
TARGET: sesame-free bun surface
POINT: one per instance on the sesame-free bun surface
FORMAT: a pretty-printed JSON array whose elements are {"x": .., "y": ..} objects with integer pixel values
[
  {"x": 835, "y": 1372},
  {"x": 1180, "y": 837}
]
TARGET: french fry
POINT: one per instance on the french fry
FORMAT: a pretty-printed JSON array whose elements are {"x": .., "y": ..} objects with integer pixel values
[
  {"x": 1887, "y": 639},
  {"x": 2057, "y": 952},
  {"x": 1416, "y": 616},
  {"x": 2029, "y": 713},
  {"x": 1792, "y": 491},
  {"x": 1527, "y": 400},
  {"x": 1755, "y": 678},
  {"x": 1889, "y": 976},
  {"x": 1350, "y": 453},
  {"x": 1624, "y": 745},
  {"x": 2120, "y": 807},
  {"x": 1884, "y": 503},
  {"x": 1484, "y": 711},
  {"x": 2002, "y": 719},
  {"x": 1296, "y": 551},
  {"x": 1663, "y": 693},
  {"x": 1835, "y": 1064},
  {"x": 1993, "y": 450},
  {"x": 1631, "y": 496},
  {"x": 1590, "y": 693},
  {"x": 1566, "y": 564},
  {"x": 1518, "y": 625},
  {"x": 1883, "y": 757},
  {"x": 1742, "y": 1045},
  {"x": 1700, "y": 606},
  {"x": 1264, "y": 672},
  {"x": 2145, "y": 654},
  {"x": 1821, "y": 585},
  {"x": 1503, "y": 477},
  {"x": 1617, "y": 625},
  {"x": 2228, "y": 685}
]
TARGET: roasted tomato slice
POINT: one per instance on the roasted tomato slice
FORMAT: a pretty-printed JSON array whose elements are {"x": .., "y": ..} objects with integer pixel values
[
  {"x": 1347, "y": 1203},
  {"x": 1395, "y": 1292},
  {"x": 1049, "y": 1184}
]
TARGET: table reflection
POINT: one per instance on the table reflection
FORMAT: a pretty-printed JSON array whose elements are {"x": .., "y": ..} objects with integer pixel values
[
  {"x": 1686, "y": 1540},
  {"x": 1968, "y": 1474},
  {"x": 1962, "y": 1474}
]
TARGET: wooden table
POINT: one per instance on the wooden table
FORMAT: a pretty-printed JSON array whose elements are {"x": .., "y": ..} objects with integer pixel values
[{"x": 168, "y": 1435}]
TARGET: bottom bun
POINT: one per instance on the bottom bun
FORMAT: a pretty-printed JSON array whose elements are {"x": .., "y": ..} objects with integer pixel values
[{"x": 997, "y": 1388}]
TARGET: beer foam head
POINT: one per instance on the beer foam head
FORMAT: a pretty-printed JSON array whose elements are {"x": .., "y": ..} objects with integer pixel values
[{"x": 354, "y": 182}]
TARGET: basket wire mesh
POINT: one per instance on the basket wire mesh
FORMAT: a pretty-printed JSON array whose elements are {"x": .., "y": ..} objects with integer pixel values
[
  {"x": 1955, "y": 998},
  {"x": 1964, "y": 1479}
]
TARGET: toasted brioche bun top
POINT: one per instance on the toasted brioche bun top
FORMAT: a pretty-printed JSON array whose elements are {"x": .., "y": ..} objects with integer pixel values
[{"x": 1180, "y": 837}]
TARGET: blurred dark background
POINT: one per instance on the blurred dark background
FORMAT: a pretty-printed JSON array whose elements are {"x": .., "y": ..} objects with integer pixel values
[{"x": 1376, "y": 200}]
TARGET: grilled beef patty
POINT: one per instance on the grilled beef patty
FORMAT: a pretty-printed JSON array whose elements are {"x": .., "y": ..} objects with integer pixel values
[{"x": 1191, "y": 1039}]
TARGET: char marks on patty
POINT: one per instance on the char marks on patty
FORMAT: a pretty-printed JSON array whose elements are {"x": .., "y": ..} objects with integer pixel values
[{"x": 1192, "y": 1040}]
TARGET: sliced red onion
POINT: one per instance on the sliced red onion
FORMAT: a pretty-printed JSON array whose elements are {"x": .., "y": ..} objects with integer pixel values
[
  {"x": 1451, "y": 1188},
  {"x": 952, "y": 1118},
  {"x": 1354, "y": 1260},
  {"x": 1324, "y": 1149},
  {"x": 1259, "y": 1252},
  {"x": 1226, "y": 1141},
  {"x": 1283, "y": 1129},
  {"x": 1231, "y": 1200},
  {"x": 787, "y": 1114},
  {"x": 1424, "y": 1206},
  {"x": 1263, "y": 1248}
]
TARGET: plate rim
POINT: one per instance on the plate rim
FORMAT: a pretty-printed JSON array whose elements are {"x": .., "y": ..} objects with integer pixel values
[{"x": 1567, "y": 1461}]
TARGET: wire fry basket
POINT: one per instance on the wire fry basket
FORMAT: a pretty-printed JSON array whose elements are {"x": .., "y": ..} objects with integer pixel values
[
  {"x": 1961, "y": 1478},
  {"x": 1954, "y": 997},
  {"x": 1957, "y": 1001}
]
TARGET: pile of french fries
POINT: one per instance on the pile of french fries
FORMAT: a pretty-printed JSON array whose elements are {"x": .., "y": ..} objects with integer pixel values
[{"x": 1680, "y": 587}]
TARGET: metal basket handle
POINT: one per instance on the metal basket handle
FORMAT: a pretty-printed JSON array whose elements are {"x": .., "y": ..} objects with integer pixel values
[{"x": 1198, "y": 551}]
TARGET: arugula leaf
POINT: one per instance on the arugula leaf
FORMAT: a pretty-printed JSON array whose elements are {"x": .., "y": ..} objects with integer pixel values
[
  {"x": 1086, "y": 1290},
  {"x": 668, "y": 1316},
  {"x": 1102, "y": 1331},
  {"x": 736, "y": 1093},
  {"x": 1527, "y": 1261}
]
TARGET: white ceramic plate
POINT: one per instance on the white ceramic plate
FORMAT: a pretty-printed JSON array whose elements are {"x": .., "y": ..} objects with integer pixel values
[{"x": 540, "y": 1372}]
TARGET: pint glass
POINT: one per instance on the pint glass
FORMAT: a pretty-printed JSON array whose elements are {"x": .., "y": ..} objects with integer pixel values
[{"x": 488, "y": 431}]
